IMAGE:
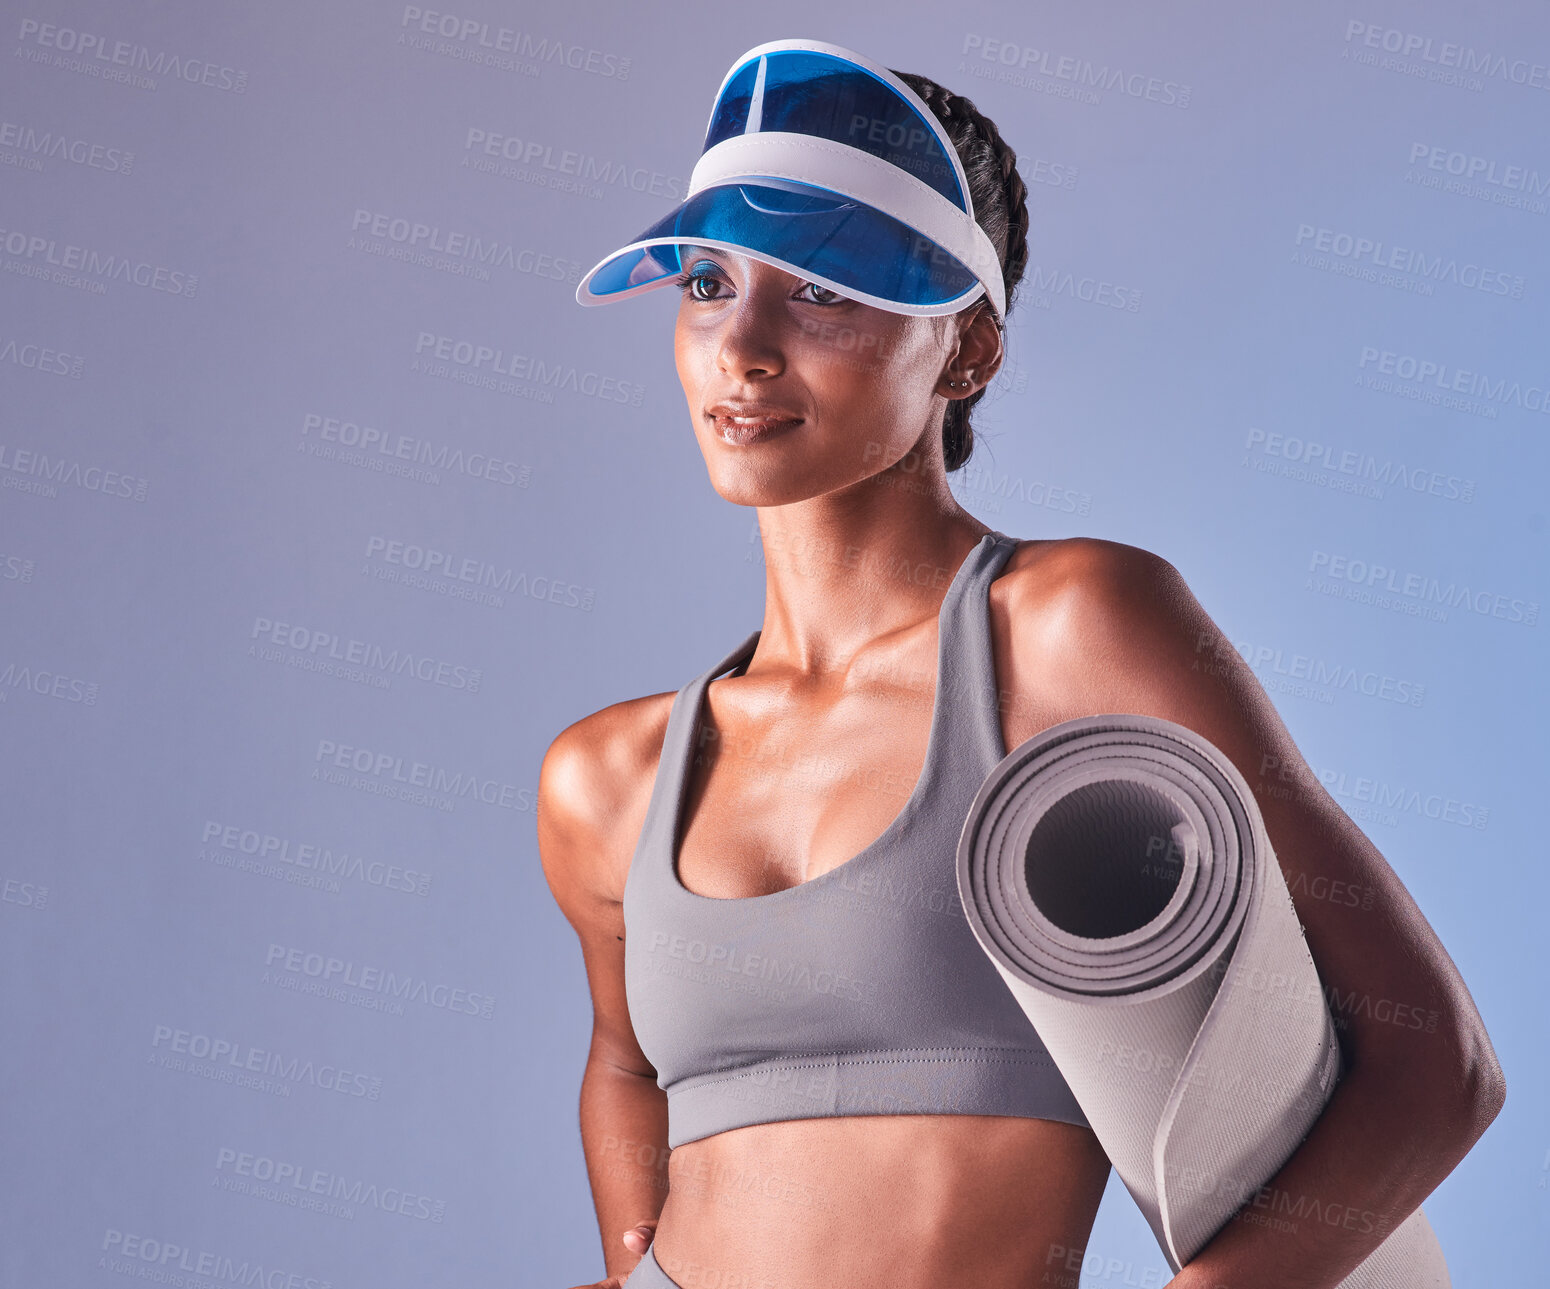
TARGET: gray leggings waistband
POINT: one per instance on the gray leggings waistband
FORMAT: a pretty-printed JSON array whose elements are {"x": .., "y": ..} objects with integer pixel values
[{"x": 648, "y": 1274}]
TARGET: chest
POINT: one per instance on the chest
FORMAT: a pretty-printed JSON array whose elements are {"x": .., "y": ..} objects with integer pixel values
[
  {"x": 772, "y": 804},
  {"x": 776, "y": 796}
]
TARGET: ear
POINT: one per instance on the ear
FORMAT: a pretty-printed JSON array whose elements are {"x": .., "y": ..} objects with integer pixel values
[{"x": 978, "y": 357}]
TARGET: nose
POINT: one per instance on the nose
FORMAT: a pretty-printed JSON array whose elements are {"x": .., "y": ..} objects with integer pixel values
[{"x": 749, "y": 347}]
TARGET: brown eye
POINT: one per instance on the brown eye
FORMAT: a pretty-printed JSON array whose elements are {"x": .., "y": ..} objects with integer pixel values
[
  {"x": 822, "y": 294},
  {"x": 702, "y": 280}
]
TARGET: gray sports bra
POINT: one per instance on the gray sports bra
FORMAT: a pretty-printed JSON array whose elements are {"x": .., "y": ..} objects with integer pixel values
[{"x": 862, "y": 990}]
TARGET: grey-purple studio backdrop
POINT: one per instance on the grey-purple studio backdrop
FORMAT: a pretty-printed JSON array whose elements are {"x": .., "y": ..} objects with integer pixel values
[{"x": 325, "y": 508}]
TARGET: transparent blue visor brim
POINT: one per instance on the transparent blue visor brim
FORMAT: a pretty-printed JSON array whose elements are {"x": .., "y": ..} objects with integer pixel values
[{"x": 814, "y": 232}]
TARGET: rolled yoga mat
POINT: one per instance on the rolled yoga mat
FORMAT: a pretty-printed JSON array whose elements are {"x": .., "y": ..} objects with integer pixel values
[{"x": 1117, "y": 872}]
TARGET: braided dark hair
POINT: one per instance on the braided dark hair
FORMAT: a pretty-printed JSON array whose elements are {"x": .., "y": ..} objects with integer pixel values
[{"x": 1000, "y": 208}]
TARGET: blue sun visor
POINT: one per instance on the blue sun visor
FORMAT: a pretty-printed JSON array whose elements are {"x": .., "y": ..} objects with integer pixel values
[{"x": 824, "y": 164}]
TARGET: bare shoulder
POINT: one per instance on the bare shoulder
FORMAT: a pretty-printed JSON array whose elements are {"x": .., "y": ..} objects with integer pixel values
[
  {"x": 1103, "y": 626},
  {"x": 1092, "y": 626},
  {"x": 1060, "y": 607},
  {"x": 593, "y": 789},
  {"x": 1081, "y": 569}
]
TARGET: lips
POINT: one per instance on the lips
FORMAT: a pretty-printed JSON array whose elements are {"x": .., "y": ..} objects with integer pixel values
[
  {"x": 751, "y": 412},
  {"x": 746, "y": 422}
]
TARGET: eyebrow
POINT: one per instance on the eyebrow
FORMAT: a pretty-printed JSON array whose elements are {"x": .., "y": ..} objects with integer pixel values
[{"x": 689, "y": 249}]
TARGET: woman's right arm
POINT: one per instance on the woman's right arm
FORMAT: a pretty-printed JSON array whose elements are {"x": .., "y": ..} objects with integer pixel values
[{"x": 593, "y": 789}]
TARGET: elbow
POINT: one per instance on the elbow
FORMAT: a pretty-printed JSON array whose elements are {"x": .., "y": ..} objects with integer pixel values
[
  {"x": 1481, "y": 1082},
  {"x": 1469, "y": 1089},
  {"x": 1448, "y": 1083}
]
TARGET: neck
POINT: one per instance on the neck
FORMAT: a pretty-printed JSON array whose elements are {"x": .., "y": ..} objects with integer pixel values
[{"x": 844, "y": 571}]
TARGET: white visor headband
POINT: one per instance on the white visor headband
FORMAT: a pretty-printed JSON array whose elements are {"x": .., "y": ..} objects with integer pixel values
[{"x": 802, "y": 158}]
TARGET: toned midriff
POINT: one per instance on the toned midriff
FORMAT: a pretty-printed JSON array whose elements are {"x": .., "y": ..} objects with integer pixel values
[{"x": 902, "y": 1201}]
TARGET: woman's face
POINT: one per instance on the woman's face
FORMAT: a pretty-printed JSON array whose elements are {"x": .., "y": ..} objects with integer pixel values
[{"x": 795, "y": 391}]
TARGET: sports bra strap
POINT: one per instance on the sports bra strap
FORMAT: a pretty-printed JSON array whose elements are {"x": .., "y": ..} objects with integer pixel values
[{"x": 968, "y": 670}]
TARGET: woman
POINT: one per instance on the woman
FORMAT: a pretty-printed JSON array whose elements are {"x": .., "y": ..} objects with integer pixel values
[{"x": 840, "y": 1091}]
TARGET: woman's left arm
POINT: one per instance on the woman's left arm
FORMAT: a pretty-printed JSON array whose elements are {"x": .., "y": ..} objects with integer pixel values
[{"x": 1421, "y": 1080}]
